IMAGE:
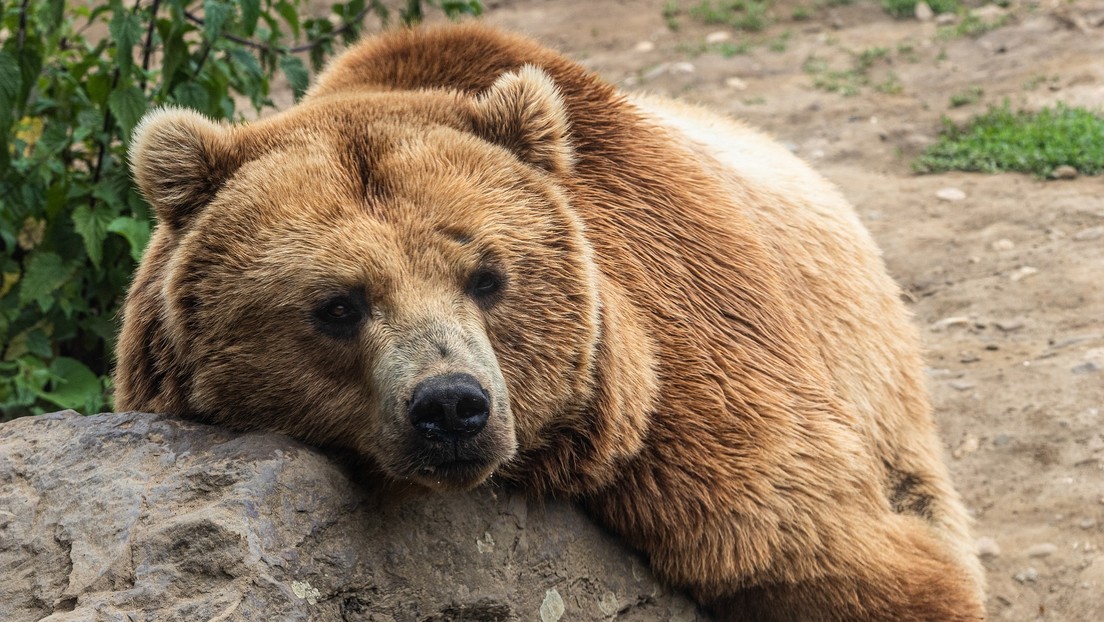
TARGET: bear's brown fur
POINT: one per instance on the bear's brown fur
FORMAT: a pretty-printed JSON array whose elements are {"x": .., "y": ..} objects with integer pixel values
[{"x": 671, "y": 318}]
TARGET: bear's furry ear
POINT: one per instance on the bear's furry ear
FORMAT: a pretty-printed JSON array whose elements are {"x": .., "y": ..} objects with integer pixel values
[
  {"x": 180, "y": 159},
  {"x": 524, "y": 112}
]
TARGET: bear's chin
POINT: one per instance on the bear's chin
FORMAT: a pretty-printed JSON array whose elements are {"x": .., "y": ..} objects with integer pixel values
[{"x": 459, "y": 475}]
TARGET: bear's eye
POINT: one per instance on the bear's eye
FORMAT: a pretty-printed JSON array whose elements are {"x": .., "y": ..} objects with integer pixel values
[
  {"x": 484, "y": 284},
  {"x": 338, "y": 317}
]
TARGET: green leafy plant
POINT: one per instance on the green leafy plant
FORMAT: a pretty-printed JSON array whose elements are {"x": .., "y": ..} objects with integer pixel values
[
  {"x": 971, "y": 25},
  {"x": 907, "y": 8},
  {"x": 1023, "y": 141},
  {"x": 969, "y": 96},
  {"x": 74, "y": 81},
  {"x": 748, "y": 15}
]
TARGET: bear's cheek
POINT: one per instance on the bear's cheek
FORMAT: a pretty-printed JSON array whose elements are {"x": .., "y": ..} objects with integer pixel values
[{"x": 545, "y": 346}]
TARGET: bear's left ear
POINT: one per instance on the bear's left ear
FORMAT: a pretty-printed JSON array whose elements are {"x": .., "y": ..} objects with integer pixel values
[{"x": 524, "y": 112}]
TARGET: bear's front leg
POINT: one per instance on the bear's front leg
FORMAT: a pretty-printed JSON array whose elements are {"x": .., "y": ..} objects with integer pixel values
[
  {"x": 785, "y": 546},
  {"x": 910, "y": 579}
]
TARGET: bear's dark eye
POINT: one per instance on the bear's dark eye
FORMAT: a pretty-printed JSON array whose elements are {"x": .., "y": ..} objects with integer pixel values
[
  {"x": 339, "y": 317},
  {"x": 484, "y": 284}
]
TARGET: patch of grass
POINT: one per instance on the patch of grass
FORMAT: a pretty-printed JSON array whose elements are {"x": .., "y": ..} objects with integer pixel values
[
  {"x": 727, "y": 49},
  {"x": 846, "y": 82},
  {"x": 851, "y": 81},
  {"x": 1038, "y": 81},
  {"x": 1025, "y": 142},
  {"x": 869, "y": 56},
  {"x": 670, "y": 15},
  {"x": 906, "y": 50},
  {"x": 971, "y": 25},
  {"x": 801, "y": 13},
  {"x": 750, "y": 15},
  {"x": 967, "y": 97},
  {"x": 907, "y": 8},
  {"x": 779, "y": 43},
  {"x": 891, "y": 85}
]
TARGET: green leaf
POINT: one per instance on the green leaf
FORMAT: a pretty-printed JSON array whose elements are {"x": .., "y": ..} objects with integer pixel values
[
  {"x": 296, "y": 74},
  {"x": 192, "y": 95},
  {"x": 135, "y": 231},
  {"x": 128, "y": 105},
  {"x": 31, "y": 341},
  {"x": 45, "y": 273},
  {"x": 125, "y": 31},
  {"x": 98, "y": 85},
  {"x": 30, "y": 65},
  {"x": 215, "y": 15},
  {"x": 74, "y": 385},
  {"x": 92, "y": 227},
  {"x": 10, "y": 83},
  {"x": 250, "y": 12},
  {"x": 290, "y": 15}
]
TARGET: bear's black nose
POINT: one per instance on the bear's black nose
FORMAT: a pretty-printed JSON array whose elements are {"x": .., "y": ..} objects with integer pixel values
[{"x": 449, "y": 408}]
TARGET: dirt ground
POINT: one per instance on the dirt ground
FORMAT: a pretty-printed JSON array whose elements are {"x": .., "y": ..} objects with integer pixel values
[{"x": 1007, "y": 283}]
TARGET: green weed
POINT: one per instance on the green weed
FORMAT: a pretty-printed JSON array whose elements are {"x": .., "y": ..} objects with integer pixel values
[
  {"x": 967, "y": 97},
  {"x": 1026, "y": 142},
  {"x": 907, "y": 8},
  {"x": 750, "y": 15}
]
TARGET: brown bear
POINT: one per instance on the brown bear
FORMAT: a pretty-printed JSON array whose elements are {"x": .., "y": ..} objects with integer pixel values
[{"x": 463, "y": 254}]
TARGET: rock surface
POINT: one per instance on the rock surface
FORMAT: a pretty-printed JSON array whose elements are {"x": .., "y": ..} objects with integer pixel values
[{"x": 142, "y": 517}]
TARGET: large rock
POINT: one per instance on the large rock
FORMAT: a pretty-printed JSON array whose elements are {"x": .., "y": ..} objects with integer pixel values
[{"x": 143, "y": 517}]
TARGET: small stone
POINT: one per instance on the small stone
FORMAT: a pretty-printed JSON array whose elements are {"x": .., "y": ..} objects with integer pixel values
[
  {"x": 735, "y": 83},
  {"x": 945, "y": 19},
  {"x": 962, "y": 385},
  {"x": 968, "y": 445},
  {"x": 608, "y": 604},
  {"x": 968, "y": 357},
  {"x": 1022, "y": 273},
  {"x": 303, "y": 590},
  {"x": 718, "y": 36},
  {"x": 1087, "y": 523},
  {"x": 947, "y": 322},
  {"x": 923, "y": 12},
  {"x": 987, "y": 548},
  {"x": 1002, "y": 439},
  {"x": 1003, "y": 244},
  {"x": 1009, "y": 325},
  {"x": 682, "y": 67},
  {"x": 552, "y": 609},
  {"x": 1092, "y": 233},
  {"x": 949, "y": 194},
  {"x": 992, "y": 347},
  {"x": 643, "y": 47},
  {"x": 1045, "y": 549},
  {"x": 989, "y": 12},
  {"x": 1088, "y": 367},
  {"x": 1064, "y": 172},
  {"x": 1027, "y": 575}
]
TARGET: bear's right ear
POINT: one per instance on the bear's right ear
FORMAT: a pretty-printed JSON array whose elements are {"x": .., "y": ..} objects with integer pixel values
[{"x": 180, "y": 159}]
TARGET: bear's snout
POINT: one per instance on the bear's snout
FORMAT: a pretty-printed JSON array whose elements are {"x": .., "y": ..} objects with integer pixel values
[{"x": 449, "y": 408}]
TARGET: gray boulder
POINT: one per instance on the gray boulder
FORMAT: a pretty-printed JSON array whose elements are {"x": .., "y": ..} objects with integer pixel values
[{"x": 143, "y": 517}]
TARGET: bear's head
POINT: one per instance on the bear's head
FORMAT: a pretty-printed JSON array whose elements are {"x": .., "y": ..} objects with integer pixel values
[{"x": 398, "y": 274}]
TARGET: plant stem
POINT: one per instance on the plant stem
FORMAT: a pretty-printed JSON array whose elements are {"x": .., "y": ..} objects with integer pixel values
[
  {"x": 147, "y": 47},
  {"x": 264, "y": 47}
]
